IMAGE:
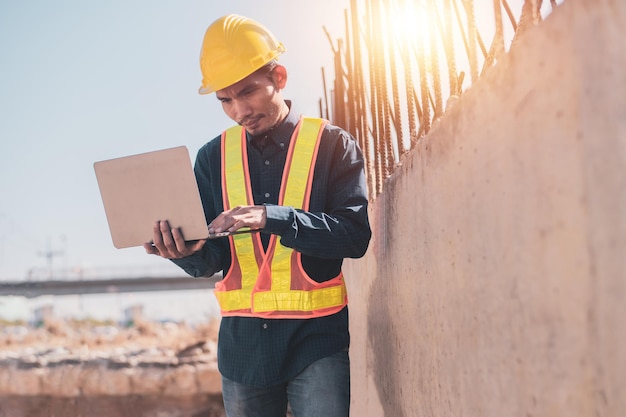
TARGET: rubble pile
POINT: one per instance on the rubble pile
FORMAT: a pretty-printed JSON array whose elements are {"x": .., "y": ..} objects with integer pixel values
[{"x": 167, "y": 362}]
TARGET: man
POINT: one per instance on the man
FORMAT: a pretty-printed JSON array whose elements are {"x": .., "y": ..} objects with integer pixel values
[{"x": 297, "y": 187}]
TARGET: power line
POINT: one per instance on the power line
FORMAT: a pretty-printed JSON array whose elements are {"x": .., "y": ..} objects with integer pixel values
[{"x": 50, "y": 254}]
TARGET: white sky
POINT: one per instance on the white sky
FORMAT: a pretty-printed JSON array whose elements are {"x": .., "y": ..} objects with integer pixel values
[{"x": 83, "y": 81}]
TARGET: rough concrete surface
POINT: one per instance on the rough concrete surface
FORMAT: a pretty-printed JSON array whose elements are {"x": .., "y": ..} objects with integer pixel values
[{"x": 495, "y": 282}]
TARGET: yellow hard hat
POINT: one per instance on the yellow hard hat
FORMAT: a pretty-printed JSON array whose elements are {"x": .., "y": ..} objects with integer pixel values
[{"x": 233, "y": 48}]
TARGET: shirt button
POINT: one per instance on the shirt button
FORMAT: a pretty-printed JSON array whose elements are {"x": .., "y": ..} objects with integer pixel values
[
  {"x": 282, "y": 145},
  {"x": 265, "y": 325},
  {"x": 267, "y": 162},
  {"x": 267, "y": 195}
]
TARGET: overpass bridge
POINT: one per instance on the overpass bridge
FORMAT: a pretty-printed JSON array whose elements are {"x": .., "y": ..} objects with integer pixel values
[
  {"x": 103, "y": 282},
  {"x": 32, "y": 289}
]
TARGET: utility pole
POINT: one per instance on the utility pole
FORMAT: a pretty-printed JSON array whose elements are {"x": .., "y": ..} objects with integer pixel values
[{"x": 50, "y": 254}]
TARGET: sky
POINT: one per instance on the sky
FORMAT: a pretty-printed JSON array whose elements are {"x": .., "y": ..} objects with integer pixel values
[
  {"x": 87, "y": 81},
  {"x": 84, "y": 81}
]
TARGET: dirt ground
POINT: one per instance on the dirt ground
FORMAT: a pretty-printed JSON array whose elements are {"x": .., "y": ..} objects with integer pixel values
[{"x": 131, "y": 406}]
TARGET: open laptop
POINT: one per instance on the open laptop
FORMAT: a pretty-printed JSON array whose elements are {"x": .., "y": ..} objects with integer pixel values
[{"x": 137, "y": 190}]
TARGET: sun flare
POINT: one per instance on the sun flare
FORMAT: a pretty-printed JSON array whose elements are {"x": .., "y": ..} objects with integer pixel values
[{"x": 410, "y": 24}]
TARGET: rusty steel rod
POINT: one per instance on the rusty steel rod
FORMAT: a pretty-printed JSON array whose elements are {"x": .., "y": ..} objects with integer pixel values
[{"x": 375, "y": 93}]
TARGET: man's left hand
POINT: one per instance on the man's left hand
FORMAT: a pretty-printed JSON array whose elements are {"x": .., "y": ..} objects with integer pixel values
[{"x": 254, "y": 217}]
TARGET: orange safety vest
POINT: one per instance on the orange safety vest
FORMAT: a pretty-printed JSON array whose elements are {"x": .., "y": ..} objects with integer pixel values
[{"x": 272, "y": 283}]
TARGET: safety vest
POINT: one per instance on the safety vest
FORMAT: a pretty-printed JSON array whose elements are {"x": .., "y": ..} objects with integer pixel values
[{"x": 272, "y": 283}]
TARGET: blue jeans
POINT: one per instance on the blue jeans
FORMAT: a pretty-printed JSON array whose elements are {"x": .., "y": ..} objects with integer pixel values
[{"x": 322, "y": 389}]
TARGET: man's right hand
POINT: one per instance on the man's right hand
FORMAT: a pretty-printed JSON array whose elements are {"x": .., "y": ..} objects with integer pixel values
[{"x": 169, "y": 242}]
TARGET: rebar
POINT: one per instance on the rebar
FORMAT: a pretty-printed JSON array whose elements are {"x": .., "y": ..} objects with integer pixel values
[{"x": 376, "y": 68}]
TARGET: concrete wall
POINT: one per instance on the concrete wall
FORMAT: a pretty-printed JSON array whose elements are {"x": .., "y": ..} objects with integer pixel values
[{"x": 496, "y": 280}]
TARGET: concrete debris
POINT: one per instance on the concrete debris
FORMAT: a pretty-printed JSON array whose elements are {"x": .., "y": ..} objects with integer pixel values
[{"x": 64, "y": 360}]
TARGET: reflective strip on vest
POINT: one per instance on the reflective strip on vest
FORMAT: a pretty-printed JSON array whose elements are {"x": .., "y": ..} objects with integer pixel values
[
  {"x": 260, "y": 283},
  {"x": 237, "y": 192}
]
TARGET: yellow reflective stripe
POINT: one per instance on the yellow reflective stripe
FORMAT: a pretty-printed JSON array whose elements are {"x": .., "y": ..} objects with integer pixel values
[
  {"x": 235, "y": 176},
  {"x": 298, "y": 300},
  {"x": 233, "y": 299},
  {"x": 281, "y": 268},
  {"x": 244, "y": 248},
  {"x": 301, "y": 163},
  {"x": 237, "y": 196},
  {"x": 294, "y": 194}
]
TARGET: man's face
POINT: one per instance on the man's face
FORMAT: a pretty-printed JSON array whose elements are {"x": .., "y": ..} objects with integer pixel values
[{"x": 255, "y": 102}]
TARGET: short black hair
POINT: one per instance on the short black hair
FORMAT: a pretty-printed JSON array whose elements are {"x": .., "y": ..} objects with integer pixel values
[{"x": 267, "y": 68}]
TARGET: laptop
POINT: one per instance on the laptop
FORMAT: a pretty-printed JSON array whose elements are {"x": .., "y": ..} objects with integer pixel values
[{"x": 138, "y": 190}]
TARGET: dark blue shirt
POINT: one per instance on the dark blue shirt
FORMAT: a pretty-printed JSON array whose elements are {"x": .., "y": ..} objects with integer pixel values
[{"x": 266, "y": 352}]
